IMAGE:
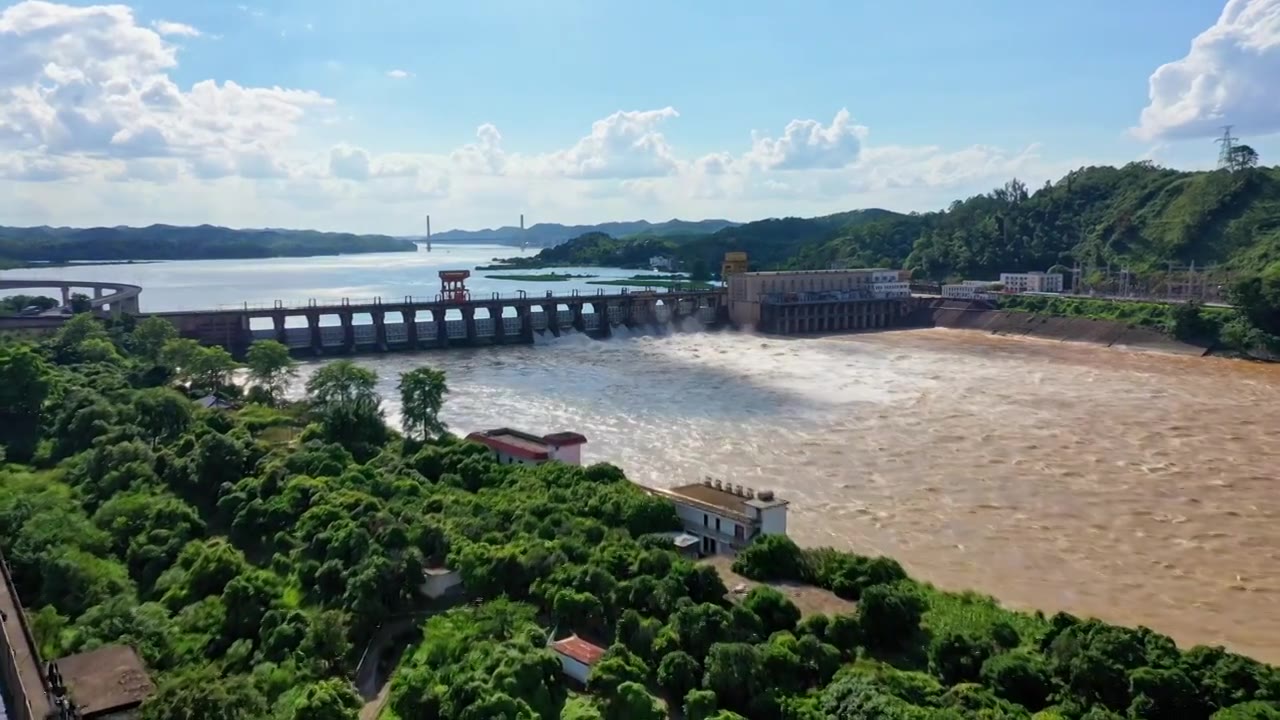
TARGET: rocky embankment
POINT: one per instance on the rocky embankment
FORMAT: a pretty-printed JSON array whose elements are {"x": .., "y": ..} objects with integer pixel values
[{"x": 963, "y": 315}]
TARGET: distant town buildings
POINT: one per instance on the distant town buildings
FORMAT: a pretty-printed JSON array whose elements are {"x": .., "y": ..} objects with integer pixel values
[
  {"x": 1031, "y": 282},
  {"x": 512, "y": 447},
  {"x": 660, "y": 262},
  {"x": 723, "y": 518}
]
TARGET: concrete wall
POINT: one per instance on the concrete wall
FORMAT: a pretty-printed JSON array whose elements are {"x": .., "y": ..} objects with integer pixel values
[
  {"x": 571, "y": 454},
  {"x": 773, "y": 521},
  {"x": 980, "y": 316},
  {"x": 574, "y": 669}
]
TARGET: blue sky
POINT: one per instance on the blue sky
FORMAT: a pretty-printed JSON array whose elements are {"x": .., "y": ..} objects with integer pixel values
[{"x": 366, "y": 115}]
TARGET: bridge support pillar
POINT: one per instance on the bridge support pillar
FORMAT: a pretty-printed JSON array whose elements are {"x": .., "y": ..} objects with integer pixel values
[
  {"x": 380, "y": 329},
  {"x": 579, "y": 322},
  {"x": 277, "y": 321},
  {"x": 499, "y": 325},
  {"x": 313, "y": 323},
  {"x": 628, "y": 313},
  {"x": 469, "y": 320},
  {"x": 97, "y": 292},
  {"x": 442, "y": 327},
  {"x": 66, "y": 296},
  {"x": 552, "y": 312},
  {"x": 525, "y": 314},
  {"x": 348, "y": 331},
  {"x": 410, "y": 318},
  {"x": 603, "y": 328}
]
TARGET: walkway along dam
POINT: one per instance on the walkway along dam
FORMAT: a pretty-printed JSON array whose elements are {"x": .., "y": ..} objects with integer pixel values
[{"x": 413, "y": 323}]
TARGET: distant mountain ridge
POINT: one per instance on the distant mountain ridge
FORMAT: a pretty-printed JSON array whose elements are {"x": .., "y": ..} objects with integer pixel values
[
  {"x": 551, "y": 234},
  {"x": 171, "y": 242}
]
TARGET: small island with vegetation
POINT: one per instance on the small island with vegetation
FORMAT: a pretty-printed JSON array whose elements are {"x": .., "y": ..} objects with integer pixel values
[
  {"x": 250, "y": 549},
  {"x": 30, "y": 246},
  {"x": 676, "y": 282},
  {"x": 544, "y": 277}
]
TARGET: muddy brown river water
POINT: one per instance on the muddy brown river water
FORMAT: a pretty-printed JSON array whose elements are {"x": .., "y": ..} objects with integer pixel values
[{"x": 1139, "y": 488}]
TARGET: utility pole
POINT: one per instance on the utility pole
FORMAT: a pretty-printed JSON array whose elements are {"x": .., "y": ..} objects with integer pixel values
[
  {"x": 428, "y": 233},
  {"x": 524, "y": 241}
]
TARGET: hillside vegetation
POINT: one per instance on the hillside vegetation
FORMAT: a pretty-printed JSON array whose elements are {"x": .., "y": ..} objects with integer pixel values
[
  {"x": 167, "y": 242},
  {"x": 1140, "y": 215},
  {"x": 550, "y": 234},
  {"x": 250, "y": 554}
]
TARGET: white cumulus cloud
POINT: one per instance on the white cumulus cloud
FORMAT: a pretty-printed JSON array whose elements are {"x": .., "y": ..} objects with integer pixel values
[
  {"x": 808, "y": 145},
  {"x": 90, "y": 82},
  {"x": 166, "y": 27},
  {"x": 624, "y": 145},
  {"x": 398, "y": 74},
  {"x": 1231, "y": 75}
]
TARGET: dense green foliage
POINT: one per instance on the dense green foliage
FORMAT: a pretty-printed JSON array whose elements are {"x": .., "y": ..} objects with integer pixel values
[
  {"x": 167, "y": 242},
  {"x": 250, "y": 572},
  {"x": 14, "y": 304}
]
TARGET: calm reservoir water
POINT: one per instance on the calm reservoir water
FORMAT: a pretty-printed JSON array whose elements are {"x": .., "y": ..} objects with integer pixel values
[{"x": 1140, "y": 488}]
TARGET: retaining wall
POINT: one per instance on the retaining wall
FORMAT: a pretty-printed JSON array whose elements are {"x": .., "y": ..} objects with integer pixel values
[{"x": 984, "y": 317}]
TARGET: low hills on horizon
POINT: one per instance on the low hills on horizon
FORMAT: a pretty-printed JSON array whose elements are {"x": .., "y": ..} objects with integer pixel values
[
  {"x": 1140, "y": 216},
  {"x": 550, "y": 234}
]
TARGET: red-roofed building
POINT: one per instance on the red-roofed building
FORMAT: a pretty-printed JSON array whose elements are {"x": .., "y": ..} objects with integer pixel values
[
  {"x": 513, "y": 447},
  {"x": 577, "y": 656}
]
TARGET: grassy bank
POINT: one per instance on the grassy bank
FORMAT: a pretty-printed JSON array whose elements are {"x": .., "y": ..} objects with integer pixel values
[{"x": 545, "y": 277}]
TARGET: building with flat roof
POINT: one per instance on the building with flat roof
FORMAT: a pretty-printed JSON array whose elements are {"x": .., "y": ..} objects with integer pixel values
[
  {"x": 726, "y": 517},
  {"x": 971, "y": 290},
  {"x": 1031, "y": 282},
  {"x": 109, "y": 683},
  {"x": 513, "y": 447},
  {"x": 787, "y": 302}
]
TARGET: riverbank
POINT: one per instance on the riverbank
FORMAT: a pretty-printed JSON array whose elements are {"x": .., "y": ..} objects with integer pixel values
[{"x": 962, "y": 315}]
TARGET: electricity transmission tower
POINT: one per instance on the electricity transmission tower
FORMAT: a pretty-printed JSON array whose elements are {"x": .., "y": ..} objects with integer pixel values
[{"x": 1226, "y": 153}]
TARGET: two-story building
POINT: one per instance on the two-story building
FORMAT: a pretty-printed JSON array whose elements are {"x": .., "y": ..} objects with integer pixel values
[
  {"x": 513, "y": 447},
  {"x": 1032, "y": 282},
  {"x": 725, "y": 517}
]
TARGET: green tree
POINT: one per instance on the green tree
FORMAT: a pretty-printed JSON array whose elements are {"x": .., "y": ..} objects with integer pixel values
[
  {"x": 271, "y": 367},
  {"x": 699, "y": 704},
  {"x": 633, "y": 702},
  {"x": 341, "y": 382},
  {"x": 163, "y": 414},
  {"x": 204, "y": 693},
  {"x": 80, "y": 303},
  {"x": 699, "y": 272},
  {"x": 957, "y": 657},
  {"x": 331, "y": 699},
  {"x": 678, "y": 673},
  {"x": 206, "y": 369},
  {"x": 889, "y": 615},
  {"x": 24, "y": 387},
  {"x": 149, "y": 337},
  {"x": 775, "y": 610},
  {"x": 422, "y": 394}
]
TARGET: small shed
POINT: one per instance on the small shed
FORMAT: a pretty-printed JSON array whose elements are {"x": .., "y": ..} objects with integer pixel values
[
  {"x": 577, "y": 656},
  {"x": 105, "y": 684}
]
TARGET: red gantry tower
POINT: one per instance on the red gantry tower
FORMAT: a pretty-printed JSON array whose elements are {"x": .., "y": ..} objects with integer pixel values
[{"x": 453, "y": 285}]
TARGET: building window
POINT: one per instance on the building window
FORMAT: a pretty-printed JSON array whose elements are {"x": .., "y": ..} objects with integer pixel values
[
  {"x": 705, "y": 522},
  {"x": 739, "y": 532},
  {"x": 717, "y": 524}
]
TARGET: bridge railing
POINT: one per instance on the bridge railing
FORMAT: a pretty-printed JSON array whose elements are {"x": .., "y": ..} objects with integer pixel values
[{"x": 346, "y": 302}]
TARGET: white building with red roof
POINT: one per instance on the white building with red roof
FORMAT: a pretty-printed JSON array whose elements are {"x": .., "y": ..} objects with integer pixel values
[
  {"x": 513, "y": 447},
  {"x": 577, "y": 656}
]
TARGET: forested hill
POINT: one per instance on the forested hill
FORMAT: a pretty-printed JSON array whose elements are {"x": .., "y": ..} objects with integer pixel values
[
  {"x": 1140, "y": 215},
  {"x": 769, "y": 242},
  {"x": 168, "y": 242},
  {"x": 551, "y": 234}
]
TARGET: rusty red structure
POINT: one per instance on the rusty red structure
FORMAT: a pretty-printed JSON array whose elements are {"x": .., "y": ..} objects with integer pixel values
[{"x": 453, "y": 285}]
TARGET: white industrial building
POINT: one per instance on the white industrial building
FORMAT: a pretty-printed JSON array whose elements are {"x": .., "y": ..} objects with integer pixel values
[
  {"x": 889, "y": 284},
  {"x": 1031, "y": 282},
  {"x": 725, "y": 517}
]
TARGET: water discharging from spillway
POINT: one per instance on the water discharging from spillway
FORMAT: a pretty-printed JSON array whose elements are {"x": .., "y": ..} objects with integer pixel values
[{"x": 1140, "y": 488}]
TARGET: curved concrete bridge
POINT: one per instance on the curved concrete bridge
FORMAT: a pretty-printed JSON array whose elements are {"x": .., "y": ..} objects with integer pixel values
[{"x": 115, "y": 298}]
